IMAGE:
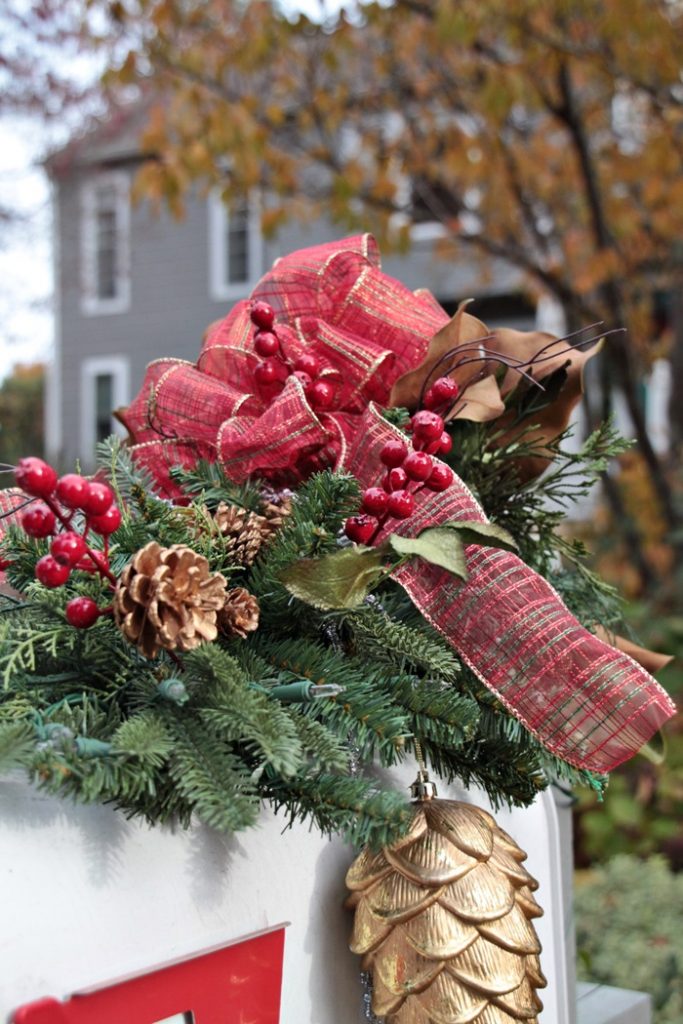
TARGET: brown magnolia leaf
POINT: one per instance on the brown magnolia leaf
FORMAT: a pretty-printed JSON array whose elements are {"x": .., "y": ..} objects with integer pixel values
[
  {"x": 482, "y": 399},
  {"x": 554, "y": 418},
  {"x": 536, "y": 353},
  {"x": 652, "y": 661},
  {"x": 479, "y": 402}
]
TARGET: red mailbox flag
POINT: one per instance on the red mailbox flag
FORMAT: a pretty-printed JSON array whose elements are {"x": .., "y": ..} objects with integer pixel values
[{"x": 239, "y": 984}]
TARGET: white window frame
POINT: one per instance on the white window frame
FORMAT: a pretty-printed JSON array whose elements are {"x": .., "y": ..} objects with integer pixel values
[
  {"x": 91, "y": 303},
  {"x": 219, "y": 221},
  {"x": 118, "y": 367}
]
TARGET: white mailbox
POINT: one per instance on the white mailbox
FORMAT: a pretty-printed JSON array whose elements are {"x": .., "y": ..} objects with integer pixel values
[{"x": 90, "y": 898}]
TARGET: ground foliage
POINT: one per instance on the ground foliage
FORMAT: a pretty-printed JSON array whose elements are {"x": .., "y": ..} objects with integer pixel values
[{"x": 628, "y": 931}]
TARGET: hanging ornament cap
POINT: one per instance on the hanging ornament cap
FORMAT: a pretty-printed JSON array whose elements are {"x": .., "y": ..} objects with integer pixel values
[{"x": 423, "y": 788}]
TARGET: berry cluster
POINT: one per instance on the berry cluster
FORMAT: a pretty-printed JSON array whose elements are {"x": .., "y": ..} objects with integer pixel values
[
  {"x": 274, "y": 369},
  {"x": 407, "y": 473},
  {"x": 61, "y": 500}
]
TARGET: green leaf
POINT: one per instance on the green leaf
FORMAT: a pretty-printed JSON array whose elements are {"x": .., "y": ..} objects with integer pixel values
[
  {"x": 339, "y": 580},
  {"x": 486, "y": 534},
  {"x": 439, "y": 545}
]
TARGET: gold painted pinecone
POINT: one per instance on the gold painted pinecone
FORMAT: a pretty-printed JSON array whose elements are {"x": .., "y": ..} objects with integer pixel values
[
  {"x": 442, "y": 920},
  {"x": 168, "y": 598},
  {"x": 240, "y": 613}
]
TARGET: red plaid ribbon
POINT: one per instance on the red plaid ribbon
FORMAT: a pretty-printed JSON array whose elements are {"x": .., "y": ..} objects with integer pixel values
[{"x": 587, "y": 702}]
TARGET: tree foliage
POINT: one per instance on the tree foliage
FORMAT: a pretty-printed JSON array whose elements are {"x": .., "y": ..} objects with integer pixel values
[
  {"x": 21, "y": 412},
  {"x": 546, "y": 133}
]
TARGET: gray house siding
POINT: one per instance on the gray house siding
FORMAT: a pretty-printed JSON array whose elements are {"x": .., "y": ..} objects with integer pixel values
[{"x": 170, "y": 302}]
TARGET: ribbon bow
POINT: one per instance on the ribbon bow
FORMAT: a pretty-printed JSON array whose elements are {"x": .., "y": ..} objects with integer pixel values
[{"x": 587, "y": 702}]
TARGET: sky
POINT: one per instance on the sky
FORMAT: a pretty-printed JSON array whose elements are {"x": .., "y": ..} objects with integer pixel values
[{"x": 26, "y": 328}]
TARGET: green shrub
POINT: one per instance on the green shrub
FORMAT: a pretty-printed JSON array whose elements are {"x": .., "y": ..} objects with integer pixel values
[{"x": 628, "y": 931}]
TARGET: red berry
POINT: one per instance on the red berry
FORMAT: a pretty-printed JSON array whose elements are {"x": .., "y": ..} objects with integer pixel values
[
  {"x": 4, "y": 563},
  {"x": 427, "y": 426},
  {"x": 50, "y": 572},
  {"x": 270, "y": 372},
  {"x": 107, "y": 523},
  {"x": 393, "y": 452},
  {"x": 360, "y": 529},
  {"x": 82, "y": 612},
  {"x": 396, "y": 479},
  {"x": 443, "y": 390},
  {"x": 428, "y": 399},
  {"x": 68, "y": 548},
  {"x": 303, "y": 378},
  {"x": 440, "y": 477},
  {"x": 35, "y": 477},
  {"x": 266, "y": 344},
  {"x": 321, "y": 394},
  {"x": 73, "y": 490},
  {"x": 262, "y": 315},
  {"x": 308, "y": 363},
  {"x": 39, "y": 521},
  {"x": 401, "y": 504},
  {"x": 98, "y": 498},
  {"x": 375, "y": 500},
  {"x": 418, "y": 465},
  {"x": 445, "y": 443}
]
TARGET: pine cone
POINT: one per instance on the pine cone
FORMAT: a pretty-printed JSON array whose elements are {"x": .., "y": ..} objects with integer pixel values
[
  {"x": 276, "y": 513},
  {"x": 240, "y": 613},
  {"x": 443, "y": 922},
  {"x": 245, "y": 532},
  {"x": 167, "y": 597}
]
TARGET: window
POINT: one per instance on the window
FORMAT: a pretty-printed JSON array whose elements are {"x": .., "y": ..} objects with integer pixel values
[
  {"x": 104, "y": 403},
  {"x": 235, "y": 248},
  {"x": 105, "y": 386},
  {"x": 105, "y": 245}
]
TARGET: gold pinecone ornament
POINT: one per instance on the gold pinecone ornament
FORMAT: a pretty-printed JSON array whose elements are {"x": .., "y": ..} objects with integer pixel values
[
  {"x": 240, "y": 613},
  {"x": 168, "y": 598},
  {"x": 443, "y": 922}
]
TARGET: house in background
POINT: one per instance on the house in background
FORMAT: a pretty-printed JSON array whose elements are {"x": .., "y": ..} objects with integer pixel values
[{"x": 132, "y": 286}]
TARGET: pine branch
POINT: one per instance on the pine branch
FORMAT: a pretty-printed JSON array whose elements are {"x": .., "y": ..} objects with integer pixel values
[
  {"x": 363, "y": 712},
  {"x": 17, "y": 743},
  {"x": 328, "y": 753},
  {"x": 375, "y": 635},
  {"x": 317, "y": 516},
  {"x": 145, "y": 737},
  {"x": 354, "y": 808},
  {"x": 208, "y": 481},
  {"x": 210, "y": 776},
  {"x": 238, "y": 713}
]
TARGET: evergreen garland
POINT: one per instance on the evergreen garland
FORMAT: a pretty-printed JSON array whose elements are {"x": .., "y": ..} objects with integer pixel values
[{"x": 212, "y": 733}]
